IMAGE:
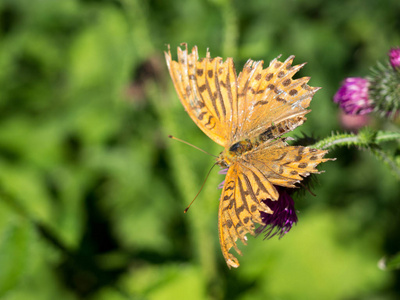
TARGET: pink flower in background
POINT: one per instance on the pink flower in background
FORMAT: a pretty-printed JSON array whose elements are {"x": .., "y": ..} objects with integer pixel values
[
  {"x": 353, "y": 122},
  {"x": 353, "y": 97}
]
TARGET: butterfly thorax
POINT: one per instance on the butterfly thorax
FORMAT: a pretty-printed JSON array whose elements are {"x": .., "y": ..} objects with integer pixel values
[{"x": 229, "y": 155}]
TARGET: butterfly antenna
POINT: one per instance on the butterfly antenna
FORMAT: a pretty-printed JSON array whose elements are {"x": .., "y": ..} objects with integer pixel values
[
  {"x": 182, "y": 141},
  {"x": 187, "y": 208}
]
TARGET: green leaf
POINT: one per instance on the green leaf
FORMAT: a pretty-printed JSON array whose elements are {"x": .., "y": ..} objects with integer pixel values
[
  {"x": 165, "y": 282},
  {"x": 15, "y": 245},
  {"x": 317, "y": 259}
]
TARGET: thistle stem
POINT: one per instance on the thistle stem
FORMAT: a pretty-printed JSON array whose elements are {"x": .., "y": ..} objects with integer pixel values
[{"x": 366, "y": 139}]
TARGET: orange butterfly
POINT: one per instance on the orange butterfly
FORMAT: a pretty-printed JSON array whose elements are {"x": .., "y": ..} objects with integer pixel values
[{"x": 247, "y": 115}]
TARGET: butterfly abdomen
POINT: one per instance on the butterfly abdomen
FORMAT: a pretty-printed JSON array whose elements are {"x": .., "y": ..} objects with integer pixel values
[
  {"x": 277, "y": 130},
  {"x": 273, "y": 132}
]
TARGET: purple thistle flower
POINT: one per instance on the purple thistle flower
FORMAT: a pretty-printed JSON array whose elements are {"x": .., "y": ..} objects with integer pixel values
[
  {"x": 394, "y": 57},
  {"x": 353, "y": 96},
  {"x": 283, "y": 217}
]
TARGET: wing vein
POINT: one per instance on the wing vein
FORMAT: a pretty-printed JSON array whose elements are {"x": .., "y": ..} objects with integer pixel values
[{"x": 217, "y": 86}]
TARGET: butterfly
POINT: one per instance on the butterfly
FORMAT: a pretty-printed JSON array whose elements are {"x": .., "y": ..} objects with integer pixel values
[{"x": 247, "y": 114}]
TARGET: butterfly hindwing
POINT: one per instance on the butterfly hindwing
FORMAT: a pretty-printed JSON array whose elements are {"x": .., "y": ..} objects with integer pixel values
[
  {"x": 240, "y": 207},
  {"x": 285, "y": 165}
]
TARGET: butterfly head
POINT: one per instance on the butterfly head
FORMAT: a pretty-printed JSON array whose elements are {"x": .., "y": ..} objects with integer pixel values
[
  {"x": 226, "y": 158},
  {"x": 223, "y": 161},
  {"x": 230, "y": 154}
]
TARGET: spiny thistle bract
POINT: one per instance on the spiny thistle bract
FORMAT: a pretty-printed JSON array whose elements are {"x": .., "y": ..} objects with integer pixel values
[{"x": 384, "y": 90}]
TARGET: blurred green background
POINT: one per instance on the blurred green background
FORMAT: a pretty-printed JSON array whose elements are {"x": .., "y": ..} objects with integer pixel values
[{"x": 92, "y": 191}]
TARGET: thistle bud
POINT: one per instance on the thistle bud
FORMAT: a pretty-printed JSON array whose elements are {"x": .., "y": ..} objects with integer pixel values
[{"x": 384, "y": 88}]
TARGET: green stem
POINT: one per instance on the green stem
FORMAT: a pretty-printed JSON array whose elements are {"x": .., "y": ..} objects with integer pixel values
[
  {"x": 387, "y": 160},
  {"x": 365, "y": 138},
  {"x": 230, "y": 30},
  {"x": 383, "y": 136},
  {"x": 202, "y": 235},
  {"x": 368, "y": 140},
  {"x": 337, "y": 140},
  {"x": 138, "y": 18}
]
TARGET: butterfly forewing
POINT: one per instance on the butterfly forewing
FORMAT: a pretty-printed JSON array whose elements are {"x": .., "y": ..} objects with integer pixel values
[
  {"x": 271, "y": 96},
  {"x": 207, "y": 90},
  {"x": 226, "y": 82},
  {"x": 248, "y": 82}
]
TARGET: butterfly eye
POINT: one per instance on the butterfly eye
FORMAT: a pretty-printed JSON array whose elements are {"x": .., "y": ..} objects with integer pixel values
[
  {"x": 235, "y": 147},
  {"x": 241, "y": 147}
]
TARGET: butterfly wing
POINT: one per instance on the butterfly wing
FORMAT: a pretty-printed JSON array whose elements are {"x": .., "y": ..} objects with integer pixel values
[
  {"x": 285, "y": 165},
  {"x": 252, "y": 180},
  {"x": 270, "y": 96},
  {"x": 259, "y": 102},
  {"x": 229, "y": 109},
  {"x": 240, "y": 207},
  {"x": 207, "y": 90}
]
